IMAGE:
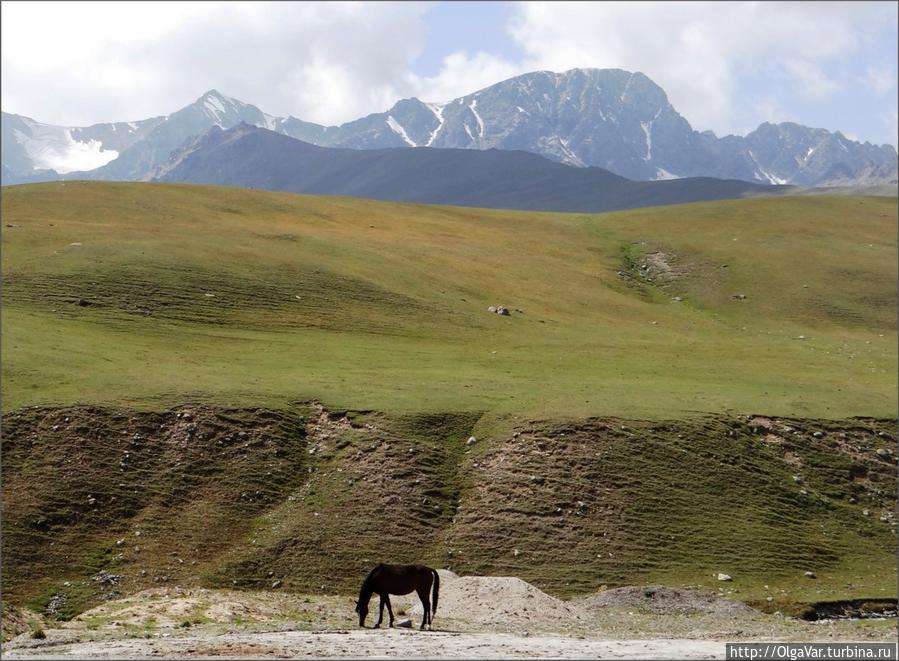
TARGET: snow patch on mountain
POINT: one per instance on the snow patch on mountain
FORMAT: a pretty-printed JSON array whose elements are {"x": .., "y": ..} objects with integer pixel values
[
  {"x": 269, "y": 122},
  {"x": 647, "y": 130},
  {"x": 571, "y": 157},
  {"x": 54, "y": 148},
  {"x": 763, "y": 175},
  {"x": 215, "y": 109},
  {"x": 472, "y": 106},
  {"x": 663, "y": 175},
  {"x": 437, "y": 109},
  {"x": 399, "y": 130}
]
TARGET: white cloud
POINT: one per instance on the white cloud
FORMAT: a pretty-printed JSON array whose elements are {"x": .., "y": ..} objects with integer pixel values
[
  {"x": 462, "y": 74},
  {"x": 326, "y": 62},
  {"x": 810, "y": 79},
  {"x": 881, "y": 80}
]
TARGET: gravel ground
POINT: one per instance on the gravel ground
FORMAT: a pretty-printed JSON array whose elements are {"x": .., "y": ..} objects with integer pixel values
[
  {"x": 384, "y": 644},
  {"x": 477, "y": 617}
]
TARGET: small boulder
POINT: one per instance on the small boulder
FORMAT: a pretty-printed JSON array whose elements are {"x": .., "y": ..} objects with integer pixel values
[
  {"x": 724, "y": 577},
  {"x": 810, "y": 574},
  {"x": 276, "y": 585},
  {"x": 405, "y": 623},
  {"x": 504, "y": 311},
  {"x": 492, "y": 309},
  {"x": 471, "y": 440},
  {"x": 740, "y": 297}
]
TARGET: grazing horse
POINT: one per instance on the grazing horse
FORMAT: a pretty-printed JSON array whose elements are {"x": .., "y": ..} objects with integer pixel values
[{"x": 386, "y": 580}]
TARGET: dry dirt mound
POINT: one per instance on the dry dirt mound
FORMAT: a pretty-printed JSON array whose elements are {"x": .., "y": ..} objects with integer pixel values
[
  {"x": 495, "y": 601},
  {"x": 660, "y": 599},
  {"x": 170, "y": 607}
]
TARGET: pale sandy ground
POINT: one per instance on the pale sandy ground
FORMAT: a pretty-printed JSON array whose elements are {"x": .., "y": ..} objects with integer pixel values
[
  {"x": 387, "y": 644},
  {"x": 477, "y": 617}
]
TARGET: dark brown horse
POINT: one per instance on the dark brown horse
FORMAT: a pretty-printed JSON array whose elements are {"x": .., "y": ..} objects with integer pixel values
[{"x": 386, "y": 580}]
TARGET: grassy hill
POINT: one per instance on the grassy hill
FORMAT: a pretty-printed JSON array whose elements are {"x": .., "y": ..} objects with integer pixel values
[
  {"x": 229, "y": 387},
  {"x": 240, "y": 297}
]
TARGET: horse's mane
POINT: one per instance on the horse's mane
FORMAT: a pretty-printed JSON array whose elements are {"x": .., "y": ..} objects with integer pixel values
[{"x": 367, "y": 581}]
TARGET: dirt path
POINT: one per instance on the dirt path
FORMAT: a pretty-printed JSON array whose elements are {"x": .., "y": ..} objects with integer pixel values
[{"x": 384, "y": 644}]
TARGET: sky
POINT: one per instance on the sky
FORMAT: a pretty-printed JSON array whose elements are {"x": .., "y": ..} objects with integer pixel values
[{"x": 726, "y": 66}]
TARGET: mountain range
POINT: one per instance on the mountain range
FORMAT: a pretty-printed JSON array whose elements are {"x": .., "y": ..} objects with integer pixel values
[
  {"x": 252, "y": 157},
  {"x": 607, "y": 118}
]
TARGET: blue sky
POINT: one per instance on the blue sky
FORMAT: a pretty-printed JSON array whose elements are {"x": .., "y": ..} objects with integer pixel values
[{"x": 726, "y": 66}]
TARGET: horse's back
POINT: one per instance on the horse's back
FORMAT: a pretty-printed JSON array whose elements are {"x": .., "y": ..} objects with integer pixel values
[{"x": 401, "y": 579}]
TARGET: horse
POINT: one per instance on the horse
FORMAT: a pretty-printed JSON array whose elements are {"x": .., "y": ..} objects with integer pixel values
[{"x": 386, "y": 580}]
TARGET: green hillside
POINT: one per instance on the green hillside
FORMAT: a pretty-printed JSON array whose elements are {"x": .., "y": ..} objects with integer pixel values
[
  {"x": 221, "y": 387},
  {"x": 239, "y": 297}
]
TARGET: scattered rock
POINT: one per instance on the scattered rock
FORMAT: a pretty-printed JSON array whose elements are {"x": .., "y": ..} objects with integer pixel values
[
  {"x": 492, "y": 309},
  {"x": 818, "y": 434},
  {"x": 677, "y": 299},
  {"x": 471, "y": 440},
  {"x": 810, "y": 574},
  {"x": 740, "y": 297},
  {"x": 55, "y": 605},
  {"x": 724, "y": 577},
  {"x": 276, "y": 585},
  {"x": 797, "y": 479},
  {"x": 83, "y": 302},
  {"x": 107, "y": 579},
  {"x": 405, "y": 623},
  {"x": 502, "y": 311}
]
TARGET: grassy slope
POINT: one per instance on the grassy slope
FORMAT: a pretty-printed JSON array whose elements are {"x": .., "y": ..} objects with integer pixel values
[
  {"x": 392, "y": 317},
  {"x": 393, "y": 297}
]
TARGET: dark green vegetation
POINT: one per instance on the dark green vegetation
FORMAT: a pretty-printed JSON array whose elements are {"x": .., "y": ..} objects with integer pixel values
[{"x": 618, "y": 435}]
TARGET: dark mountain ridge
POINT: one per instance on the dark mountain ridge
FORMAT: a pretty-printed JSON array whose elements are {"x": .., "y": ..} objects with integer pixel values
[{"x": 251, "y": 157}]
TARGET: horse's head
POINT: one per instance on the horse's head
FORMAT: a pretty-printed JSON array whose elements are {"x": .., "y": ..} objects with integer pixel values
[{"x": 362, "y": 609}]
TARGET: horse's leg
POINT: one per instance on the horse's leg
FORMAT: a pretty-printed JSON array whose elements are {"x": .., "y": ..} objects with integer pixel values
[
  {"x": 389, "y": 609},
  {"x": 426, "y": 607},
  {"x": 380, "y": 612}
]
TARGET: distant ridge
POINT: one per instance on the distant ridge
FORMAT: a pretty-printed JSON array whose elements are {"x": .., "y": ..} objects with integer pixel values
[{"x": 248, "y": 156}]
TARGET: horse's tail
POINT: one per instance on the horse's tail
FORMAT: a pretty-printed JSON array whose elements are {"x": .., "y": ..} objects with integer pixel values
[{"x": 436, "y": 592}]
